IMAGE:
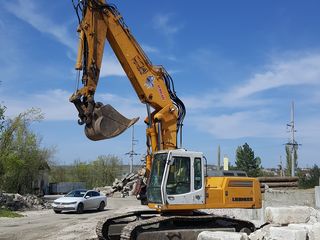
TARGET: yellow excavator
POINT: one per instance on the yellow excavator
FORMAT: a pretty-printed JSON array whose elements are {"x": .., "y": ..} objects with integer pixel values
[{"x": 178, "y": 183}]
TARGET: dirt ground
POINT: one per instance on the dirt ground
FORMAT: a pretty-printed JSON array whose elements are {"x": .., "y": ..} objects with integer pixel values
[{"x": 45, "y": 224}]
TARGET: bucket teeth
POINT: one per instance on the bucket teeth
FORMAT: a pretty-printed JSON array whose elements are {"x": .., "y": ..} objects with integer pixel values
[{"x": 107, "y": 123}]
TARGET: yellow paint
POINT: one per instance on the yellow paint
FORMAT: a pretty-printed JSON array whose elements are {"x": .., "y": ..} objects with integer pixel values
[
  {"x": 96, "y": 27},
  {"x": 219, "y": 194}
]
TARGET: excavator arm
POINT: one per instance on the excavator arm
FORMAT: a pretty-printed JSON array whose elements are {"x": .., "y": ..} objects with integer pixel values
[{"x": 99, "y": 22}]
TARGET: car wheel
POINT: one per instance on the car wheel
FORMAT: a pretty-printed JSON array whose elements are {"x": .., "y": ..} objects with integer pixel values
[
  {"x": 101, "y": 206},
  {"x": 57, "y": 211},
  {"x": 80, "y": 208}
]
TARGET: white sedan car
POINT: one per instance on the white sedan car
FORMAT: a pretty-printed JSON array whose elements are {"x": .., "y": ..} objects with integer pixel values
[{"x": 80, "y": 200}]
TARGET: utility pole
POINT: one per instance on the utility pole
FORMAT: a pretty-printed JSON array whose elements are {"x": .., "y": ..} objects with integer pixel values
[
  {"x": 132, "y": 153},
  {"x": 219, "y": 159},
  {"x": 281, "y": 167},
  {"x": 292, "y": 142}
]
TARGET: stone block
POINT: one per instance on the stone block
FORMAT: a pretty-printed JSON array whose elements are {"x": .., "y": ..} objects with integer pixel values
[
  {"x": 302, "y": 226},
  {"x": 314, "y": 216},
  {"x": 287, "y": 215},
  {"x": 317, "y": 195},
  {"x": 219, "y": 235},
  {"x": 281, "y": 233},
  {"x": 261, "y": 234},
  {"x": 313, "y": 230},
  {"x": 314, "y": 234}
]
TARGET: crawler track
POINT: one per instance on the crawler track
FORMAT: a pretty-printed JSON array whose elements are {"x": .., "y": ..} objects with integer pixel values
[{"x": 143, "y": 225}]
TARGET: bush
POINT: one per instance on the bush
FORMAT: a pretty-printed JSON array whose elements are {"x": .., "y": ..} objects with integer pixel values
[{"x": 309, "y": 179}]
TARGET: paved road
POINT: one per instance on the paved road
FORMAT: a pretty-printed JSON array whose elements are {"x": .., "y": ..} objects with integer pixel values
[{"x": 45, "y": 224}]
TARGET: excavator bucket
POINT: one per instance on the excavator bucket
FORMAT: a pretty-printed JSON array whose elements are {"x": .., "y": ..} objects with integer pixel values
[{"x": 107, "y": 123}]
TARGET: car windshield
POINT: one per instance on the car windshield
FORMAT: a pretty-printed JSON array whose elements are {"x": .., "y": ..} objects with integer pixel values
[{"x": 76, "y": 193}]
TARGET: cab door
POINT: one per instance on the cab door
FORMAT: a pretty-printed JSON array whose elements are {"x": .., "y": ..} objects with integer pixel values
[{"x": 184, "y": 180}]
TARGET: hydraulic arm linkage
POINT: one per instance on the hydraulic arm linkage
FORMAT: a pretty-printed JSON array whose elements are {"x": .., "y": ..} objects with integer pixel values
[{"x": 99, "y": 21}]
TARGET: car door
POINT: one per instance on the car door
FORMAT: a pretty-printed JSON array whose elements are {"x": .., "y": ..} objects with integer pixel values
[
  {"x": 88, "y": 201},
  {"x": 96, "y": 199}
]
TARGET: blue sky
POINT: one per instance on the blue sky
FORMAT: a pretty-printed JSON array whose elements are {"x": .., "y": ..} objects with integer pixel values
[{"x": 237, "y": 65}]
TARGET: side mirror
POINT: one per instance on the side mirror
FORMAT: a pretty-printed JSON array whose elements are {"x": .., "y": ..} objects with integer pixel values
[{"x": 86, "y": 197}]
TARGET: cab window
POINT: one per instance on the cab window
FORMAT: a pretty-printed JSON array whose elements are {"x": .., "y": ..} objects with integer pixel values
[
  {"x": 179, "y": 176},
  {"x": 197, "y": 174}
]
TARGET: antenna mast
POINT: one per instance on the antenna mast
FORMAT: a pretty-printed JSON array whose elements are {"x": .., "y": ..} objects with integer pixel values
[
  {"x": 292, "y": 143},
  {"x": 132, "y": 153}
]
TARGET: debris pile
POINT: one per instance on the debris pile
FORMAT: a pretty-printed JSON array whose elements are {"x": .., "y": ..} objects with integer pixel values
[
  {"x": 19, "y": 202},
  {"x": 294, "y": 223},
  {"x": 127, "y": 186}
]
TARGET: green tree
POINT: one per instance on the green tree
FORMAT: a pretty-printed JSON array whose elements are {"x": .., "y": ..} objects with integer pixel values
[
  {"x": 2, "y": 121},
  {"x": 311, "y": 179},
  {"x": 2, "y": 117},
  {"x": 106, "y": 168},
  {"x": 60, "y": 174},
  {"x": 20, "y": 153},
  {"x": 246, "y": 161},
  {"x": 100, "y": 172}
]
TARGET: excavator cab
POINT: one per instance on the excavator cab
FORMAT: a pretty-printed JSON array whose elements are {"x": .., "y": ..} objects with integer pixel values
[
  {"x": 177, "y": 178},
  {"x": 179, "y": 181},
  {"x": 107, "y": 122}
]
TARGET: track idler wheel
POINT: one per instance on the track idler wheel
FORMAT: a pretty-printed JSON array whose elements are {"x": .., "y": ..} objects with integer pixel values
[{"x": 107, "y": 123}]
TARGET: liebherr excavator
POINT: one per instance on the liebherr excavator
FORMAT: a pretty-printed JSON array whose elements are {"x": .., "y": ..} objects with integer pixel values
[{"x": 178, "y": 183}]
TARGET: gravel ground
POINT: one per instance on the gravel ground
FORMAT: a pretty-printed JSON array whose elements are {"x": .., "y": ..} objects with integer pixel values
[{"x": 45, "y": 224}]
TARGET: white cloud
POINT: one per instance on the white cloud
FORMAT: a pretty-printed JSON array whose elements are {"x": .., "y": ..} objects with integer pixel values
[
  {"x": 238, "y": 125},
  {"x": 129, "y": 107},
  {"x": 111, "y": 67},
  {"x": 149, "y": 49},
  {"x": 28, "y": 12},
  {"x": 298, "y": 70},
  {"x": 163, "y": 23},
  {"x": 56, "y": 106},
  {"x": 207, "y": 111}
]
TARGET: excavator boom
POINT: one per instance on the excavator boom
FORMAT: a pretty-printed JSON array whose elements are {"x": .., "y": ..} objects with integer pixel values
[
  {"x": 177, "y": 181},
  {"x": 154, "y": 87}
]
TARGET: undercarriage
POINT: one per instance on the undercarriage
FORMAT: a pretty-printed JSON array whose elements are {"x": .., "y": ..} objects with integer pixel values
[{"x": 149, "y": 224}]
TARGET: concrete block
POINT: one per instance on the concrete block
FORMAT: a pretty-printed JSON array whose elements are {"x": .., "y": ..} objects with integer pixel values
[
  {"x": 314, "y": 233},
  {"x": 281, "y": 233},
  {"x": 261, "y": 234},
  {"x": 317, "y": 195},
  {"x": 302, "y": 226},
  {"x": 219, "y": 235},
  {"x": 313, "y": 230},
  {"x": 257, "y": 235},
  {"x": 314, "y": 216},
  {"x": 287, "y": 215}
]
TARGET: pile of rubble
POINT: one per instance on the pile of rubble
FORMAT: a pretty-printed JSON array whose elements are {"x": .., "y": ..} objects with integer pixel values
[
  {"x": 18, "y": 202},
  {"x": 294, "y": 223},
  {"x": 127, "y": 186}
]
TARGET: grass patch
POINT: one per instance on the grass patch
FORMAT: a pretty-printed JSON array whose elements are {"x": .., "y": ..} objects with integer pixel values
[{"x": 8, "y": 213}]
